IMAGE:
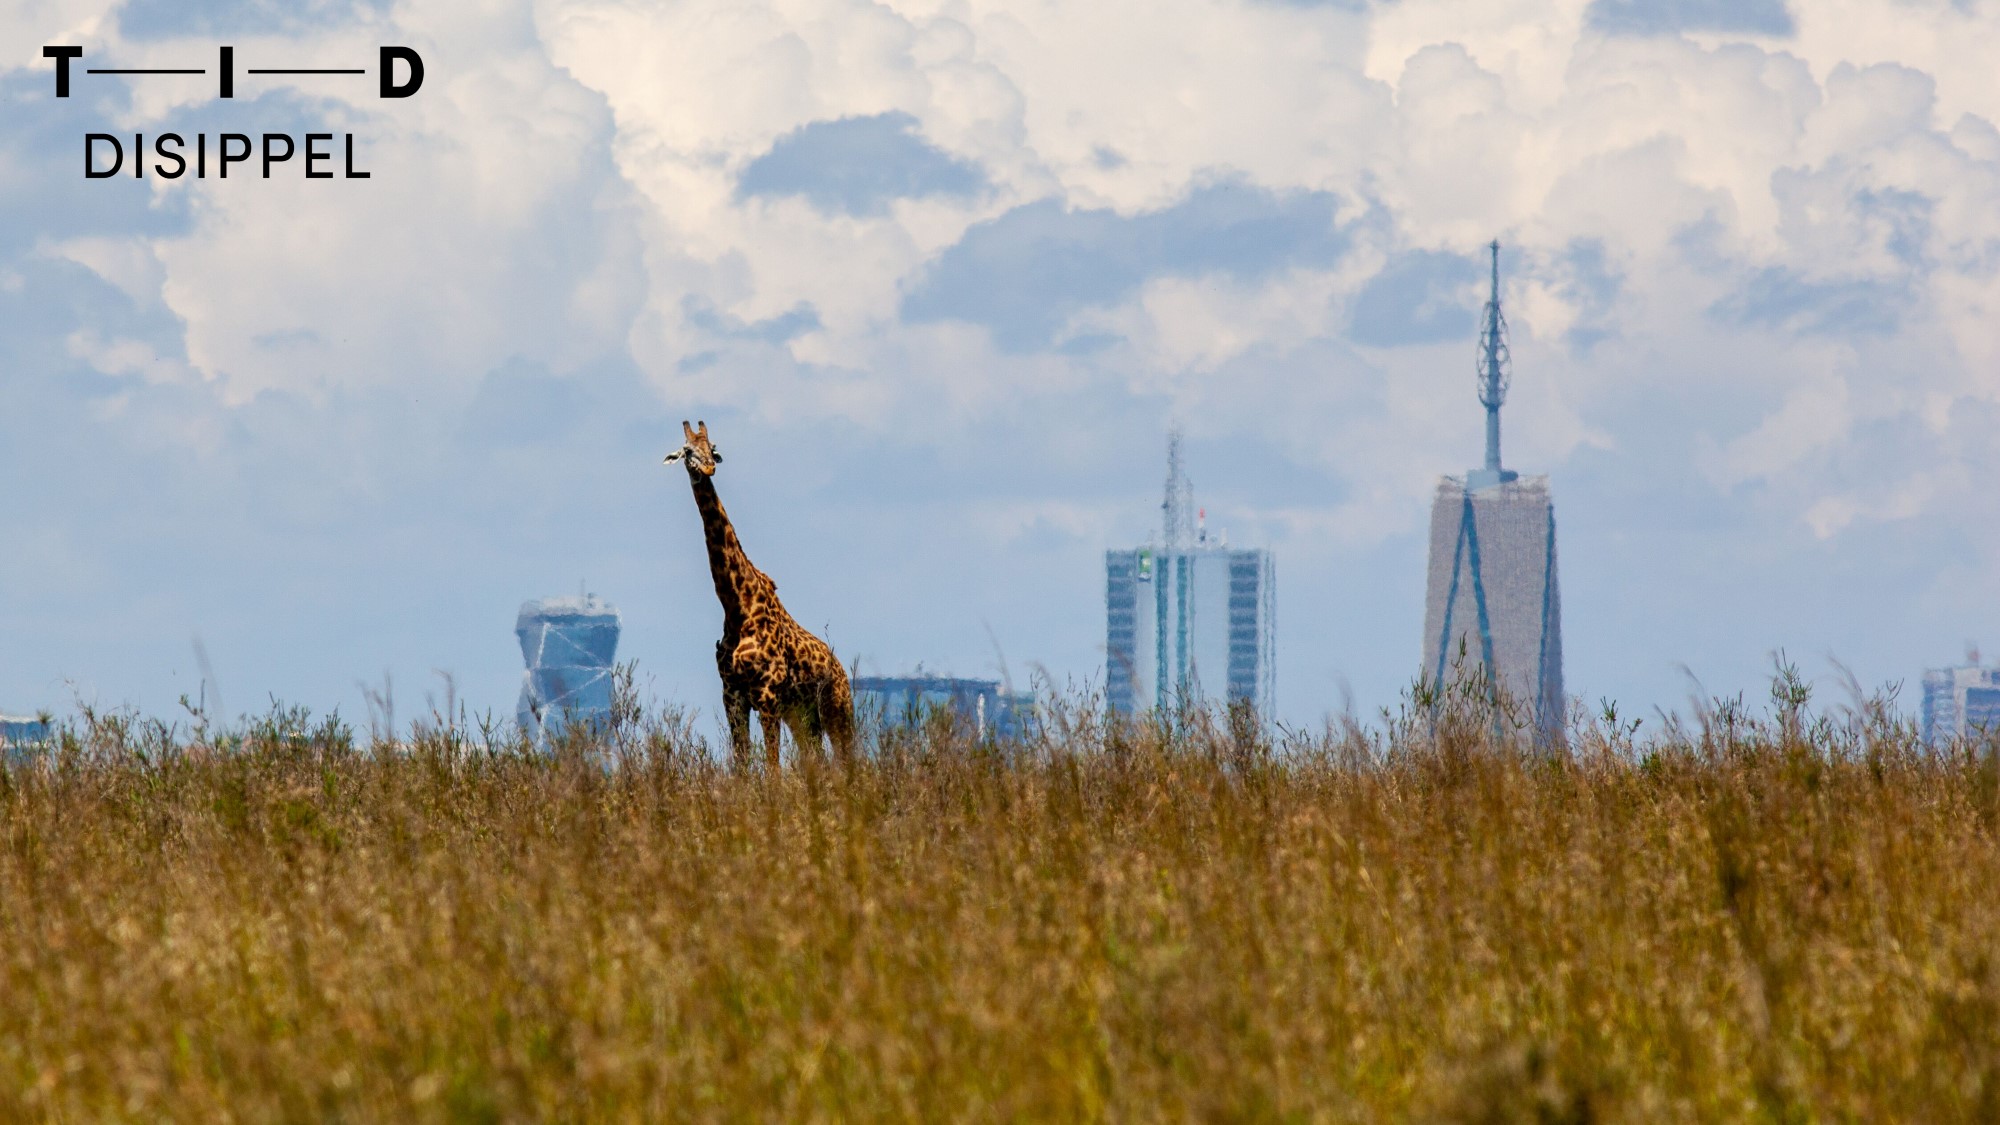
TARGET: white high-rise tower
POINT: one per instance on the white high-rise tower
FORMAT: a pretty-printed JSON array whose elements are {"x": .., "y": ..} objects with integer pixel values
[{"x": 1492, "y": 587}]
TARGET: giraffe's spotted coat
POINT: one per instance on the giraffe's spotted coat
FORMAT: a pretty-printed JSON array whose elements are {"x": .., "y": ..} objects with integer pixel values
[{"x": 769, "y": 663}]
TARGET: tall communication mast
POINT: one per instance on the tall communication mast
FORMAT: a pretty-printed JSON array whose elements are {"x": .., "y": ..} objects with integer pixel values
[
  {"x": 1177, "y": 509},
  {"x": 1177, "y": 534},
  {"x": 1496, "y": 372}
]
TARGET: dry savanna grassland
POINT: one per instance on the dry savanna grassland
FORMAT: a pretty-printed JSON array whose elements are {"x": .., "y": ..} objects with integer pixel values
[{"x": 1791, "y": 915}]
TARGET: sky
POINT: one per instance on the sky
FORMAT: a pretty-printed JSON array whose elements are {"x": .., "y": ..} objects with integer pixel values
[{"x": 939, "y": 275}]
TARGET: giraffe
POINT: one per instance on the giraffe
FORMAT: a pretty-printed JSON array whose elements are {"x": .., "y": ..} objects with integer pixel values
[{"x": 769, "y": 663}]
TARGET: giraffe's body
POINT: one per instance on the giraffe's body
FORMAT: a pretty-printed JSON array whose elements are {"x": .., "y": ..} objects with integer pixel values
[{"x": 769, "y": 663}]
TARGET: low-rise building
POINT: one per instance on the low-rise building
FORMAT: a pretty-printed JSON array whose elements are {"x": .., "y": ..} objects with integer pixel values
[{"x": 982, "y": 707}]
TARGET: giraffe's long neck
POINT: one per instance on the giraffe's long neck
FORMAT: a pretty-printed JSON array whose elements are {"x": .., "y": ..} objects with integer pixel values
[{"x": 731, "y": 568}]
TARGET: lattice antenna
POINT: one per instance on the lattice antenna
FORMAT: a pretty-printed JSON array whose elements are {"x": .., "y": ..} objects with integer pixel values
[
  {"x": 1496, "y": 364},
  {"x": 1176, "y": 508}
]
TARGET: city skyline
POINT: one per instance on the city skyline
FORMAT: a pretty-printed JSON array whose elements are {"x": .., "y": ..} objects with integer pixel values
[{"x": 940, "y": 277}]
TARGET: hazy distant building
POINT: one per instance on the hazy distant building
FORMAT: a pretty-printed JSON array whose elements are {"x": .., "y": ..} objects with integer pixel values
[
  {"x": 570, "y": 645},
  {"x": 1189, "y": 619},
  {"x": 982, "y": 707},
  {"x": 19, "y": 733},
  {"x": 1962, "y": 701},
  {"x": 1492, "y": 590}
]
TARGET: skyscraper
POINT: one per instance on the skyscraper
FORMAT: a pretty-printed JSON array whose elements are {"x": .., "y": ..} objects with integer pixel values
[
  {"x": 569, "y": 645},
  {"x": 1962, "y": 701},
  {"x": 1492, "y": 589},
  {"x": 1188, "y": 619}
]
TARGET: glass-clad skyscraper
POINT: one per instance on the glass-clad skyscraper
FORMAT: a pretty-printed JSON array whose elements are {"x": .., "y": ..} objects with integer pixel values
[
  {"x": 1962, "y": 701},
  {"x": 1190, "y": 620},
  {"x": 1194, "y": 625},
  {"x": 570, "y": 645}
]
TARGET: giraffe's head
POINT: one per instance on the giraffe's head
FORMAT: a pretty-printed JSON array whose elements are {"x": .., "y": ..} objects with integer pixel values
[{"x": 700, "y": 455}]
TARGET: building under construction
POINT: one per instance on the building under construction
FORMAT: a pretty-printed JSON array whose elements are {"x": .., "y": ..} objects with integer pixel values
[
  {"x": 1189, "y": 621},
  {"x": 1492, "y": 593}
]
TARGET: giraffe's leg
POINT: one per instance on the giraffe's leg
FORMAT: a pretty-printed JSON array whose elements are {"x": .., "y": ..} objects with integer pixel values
[
  {"x": 771, "y": 725},
  {"x": 836, "y": 714},
  {"x": 804, "y": 725},
  {"x": 736, "y": 705}
]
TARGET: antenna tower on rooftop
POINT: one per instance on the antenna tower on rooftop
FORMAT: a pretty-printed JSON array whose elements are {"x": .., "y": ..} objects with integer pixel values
[
  {"x": 1177, "y": 508},
  {"x": 1496, "y": 371},
  {"x": 1177, "y": 528}
]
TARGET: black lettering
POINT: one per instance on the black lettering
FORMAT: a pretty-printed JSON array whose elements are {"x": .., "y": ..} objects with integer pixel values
[
  {"x": 62, "y": 55},
  {"x": 268, "y": 158},
  {"x": 228, "y": 72},
  {"x": 389, "y": 87},
  {"x": 351, "y": 173},
  {"x": 138, "y": 156},
  {"x": 313, "y": 154},
  {"x": 180, "y": 162},
  {"x": 222, "y": 157},
  {"x": 90, "y": 148},
  {"x": 201, "y": 156}
]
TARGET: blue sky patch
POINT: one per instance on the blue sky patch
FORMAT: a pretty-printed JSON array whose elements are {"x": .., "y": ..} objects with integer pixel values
[
  {"x": 1663, "y": 17},
  {"x": 857, "y": 165},
  {"x": 1023, "y": 274},
  {"x": 1781, "y": 298},
  {"x": 240, "y": 19},
  {"x": 1904, "y": 219},
  {"x": 783, "y": 328},
  {"x": 1420, "y": 297}
]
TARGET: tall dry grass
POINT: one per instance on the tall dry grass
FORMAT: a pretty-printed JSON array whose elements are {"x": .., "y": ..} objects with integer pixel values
[{"x": 1781, "y": 918}]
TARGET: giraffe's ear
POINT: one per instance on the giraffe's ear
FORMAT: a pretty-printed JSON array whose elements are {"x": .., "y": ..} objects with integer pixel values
[{"x": 686, "y": 431}]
